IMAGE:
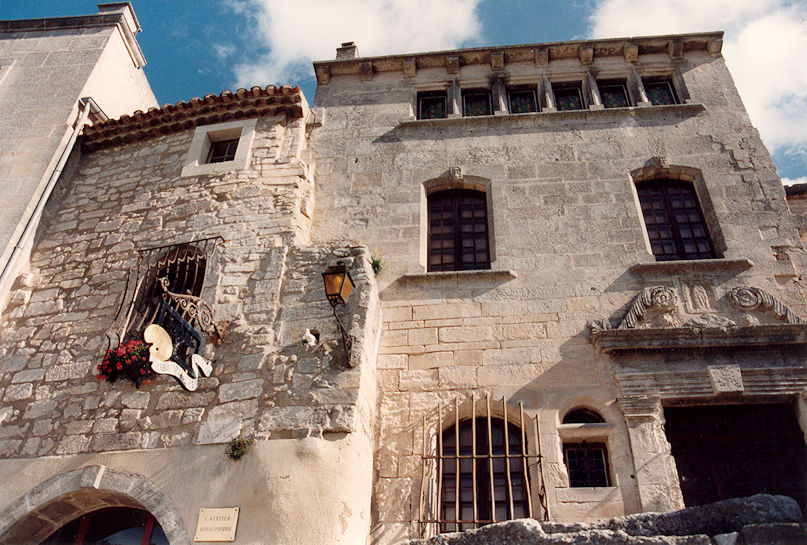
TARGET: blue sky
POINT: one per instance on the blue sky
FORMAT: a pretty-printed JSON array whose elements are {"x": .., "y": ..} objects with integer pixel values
[{"x": 195, "y": 47}]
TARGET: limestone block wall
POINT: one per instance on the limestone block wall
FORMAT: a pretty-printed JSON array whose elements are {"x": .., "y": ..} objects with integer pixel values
[
  {"x": 265, "y": 287},
  {"x": 565, "y": 230}
]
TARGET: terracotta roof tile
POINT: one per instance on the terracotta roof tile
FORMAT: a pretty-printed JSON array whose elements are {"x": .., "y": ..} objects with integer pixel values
[{"x": 227, "y": 106}]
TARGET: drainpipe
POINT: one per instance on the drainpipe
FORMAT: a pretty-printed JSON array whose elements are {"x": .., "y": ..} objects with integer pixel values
[{"x": 33, "y": 220}]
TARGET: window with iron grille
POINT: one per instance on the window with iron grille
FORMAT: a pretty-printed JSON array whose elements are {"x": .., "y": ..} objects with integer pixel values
[
  {"x": 458, "y": 231},
  {"x": 164, "y": 287},
  {"x": 587, "y": 464},
  {"x": 674, "y": 221},
  {"x": 479, "y": 470},
  {"x": 660, "y": 92},
  {"x": 222, "y": 150},
  {"x": 432, "y": 105},
  {"x": 476, "y": 102}
]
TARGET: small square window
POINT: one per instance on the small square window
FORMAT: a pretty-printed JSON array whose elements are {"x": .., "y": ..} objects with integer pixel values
[
  {"x": 476, "y": 103},
  {"x": 432, "y": 105},
  {"x": 221, "y": 151},
  {"x": 569, "y": 98},
  {"x": 522, "y": 101},
  {"x": 614, "y": 95},
  {"x": 660, "y": 93},
  {"x": 587, "y": 464}
]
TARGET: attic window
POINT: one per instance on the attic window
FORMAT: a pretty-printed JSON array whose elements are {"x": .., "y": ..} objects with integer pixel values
[{"x": 222, "y": 150}]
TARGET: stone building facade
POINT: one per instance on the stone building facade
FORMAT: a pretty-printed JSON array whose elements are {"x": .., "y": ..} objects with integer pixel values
[{"x": 564, "y": 256}]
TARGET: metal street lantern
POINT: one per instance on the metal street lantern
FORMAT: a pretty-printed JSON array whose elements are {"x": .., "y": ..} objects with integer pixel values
[{"x": 338, "y": 285}]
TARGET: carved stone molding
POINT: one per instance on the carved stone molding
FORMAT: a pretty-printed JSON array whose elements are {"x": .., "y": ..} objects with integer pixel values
[
  {"x": 749, "y": 298},
  {"x": 658, "y": 319},
  {"x": 639, "y": 407},
  {"x": 661, "y": 298}
]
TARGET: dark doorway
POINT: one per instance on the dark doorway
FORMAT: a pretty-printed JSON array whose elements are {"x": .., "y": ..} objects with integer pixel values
[{"x": 729, "y": 451}]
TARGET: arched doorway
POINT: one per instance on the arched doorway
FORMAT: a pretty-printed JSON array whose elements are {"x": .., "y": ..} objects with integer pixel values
[{"x": 110, "y": 526}]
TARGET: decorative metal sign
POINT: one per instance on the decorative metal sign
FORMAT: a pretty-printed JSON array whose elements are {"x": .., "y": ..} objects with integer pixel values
[
  {"x": 162, "y": 349},
  {"x": 216, "y": 524}
]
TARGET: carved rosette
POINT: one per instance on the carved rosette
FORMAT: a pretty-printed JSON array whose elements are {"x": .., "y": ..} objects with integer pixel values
[
  {"x": 662, "y": 298},
  {"x": 748, "y": 298}
]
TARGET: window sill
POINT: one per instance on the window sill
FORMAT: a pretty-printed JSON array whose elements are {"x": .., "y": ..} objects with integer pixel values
[
  {"x": 580, "y": 432},
  {"x": 586, "y": 493},
  {"x": 690, "y": 265},
  {"x": 562, "y": 115},
  {"x": 460, "y": 276}
]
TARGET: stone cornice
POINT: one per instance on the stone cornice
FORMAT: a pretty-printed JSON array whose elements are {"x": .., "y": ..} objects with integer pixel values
[
  {"x": 182, "y": 116},
  {"x": 621, "y": 340},
  {"x": 498, "y": 57}
]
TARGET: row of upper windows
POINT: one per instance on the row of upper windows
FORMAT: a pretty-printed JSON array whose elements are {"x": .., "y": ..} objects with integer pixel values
[
  {"x": 458, "y": 226},
  {"x": 565, "y": 96}
]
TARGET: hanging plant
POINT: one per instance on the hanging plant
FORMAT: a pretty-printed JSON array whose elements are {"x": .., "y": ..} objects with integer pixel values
[{"x": 129, "y": 361}]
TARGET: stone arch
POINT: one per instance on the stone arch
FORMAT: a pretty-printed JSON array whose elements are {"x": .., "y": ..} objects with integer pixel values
[
  {"x": 658, "y": 168},
  {"x": 60, "y": 499}
]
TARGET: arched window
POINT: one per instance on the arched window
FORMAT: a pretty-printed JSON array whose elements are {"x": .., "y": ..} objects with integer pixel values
[
  {"x": 674, "y": 221},
  {"x": 114, "y": 525},
  {"x": 482, "y": 481},
  {"x": 582, "y": 416},
  {"x": 458, "y": 230}
]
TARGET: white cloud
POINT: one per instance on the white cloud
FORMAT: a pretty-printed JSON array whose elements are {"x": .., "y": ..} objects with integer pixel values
[
  {"x": 296, "y": 33},
  {"x": 763, "y": 48},
  {"x": 794, "y": 181}
]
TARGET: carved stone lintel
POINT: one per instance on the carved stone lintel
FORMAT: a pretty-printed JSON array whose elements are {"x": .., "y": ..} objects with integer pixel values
[
  {"x": 709, "y": 320},
  {"x": 748, "y": 298}
]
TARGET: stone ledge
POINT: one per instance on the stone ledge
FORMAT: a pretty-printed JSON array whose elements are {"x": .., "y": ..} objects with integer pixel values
[
  {"x": 554, "y": 116},
  {"x": 492, "y": 274},
  {"x": 616, "y": 340},
  {"x": 578, "y": 432},
  {"x": 690, "y": 265}
]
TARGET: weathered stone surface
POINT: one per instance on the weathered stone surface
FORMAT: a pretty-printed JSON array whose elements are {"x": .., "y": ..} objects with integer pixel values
[{"x": 761, "y": 519}]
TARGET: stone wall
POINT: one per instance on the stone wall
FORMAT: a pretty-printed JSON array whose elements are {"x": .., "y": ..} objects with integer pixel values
[{"x": 565, "y": 233}]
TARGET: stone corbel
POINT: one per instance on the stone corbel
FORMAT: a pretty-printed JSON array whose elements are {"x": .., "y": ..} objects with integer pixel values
[
  {"x": 640, "y": 408},
  {"x": 366, "y": 71},
  {"x": 715, "y": 47},
  {"x": 632, "y": 53},
  {"x": 452, "y": 64},
  {"x": 409, "y": 68},
  {"x": 497, "y": 60},
  {"x": 323, "y": 75},
  {"x": 675, "y": 49},
  {"x": 586, "y": 55},
  {"x": 542, "y": 57}
]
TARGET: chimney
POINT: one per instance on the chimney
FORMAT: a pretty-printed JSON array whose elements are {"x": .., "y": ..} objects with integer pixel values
[{"x": 347, "y": 51}]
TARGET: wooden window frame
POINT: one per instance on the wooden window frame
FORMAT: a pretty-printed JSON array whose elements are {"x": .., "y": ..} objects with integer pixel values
[
  {"x": 673, "y": 225},
  {"x": 476, "y": 92},
  {"x": 531, "y": 90},
  {"x": 453, "y": 199},
  {"x": 222, "y": 150}
]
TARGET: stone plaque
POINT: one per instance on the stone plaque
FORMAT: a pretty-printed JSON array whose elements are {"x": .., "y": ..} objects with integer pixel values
[{"x": 216, "y": 524}]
